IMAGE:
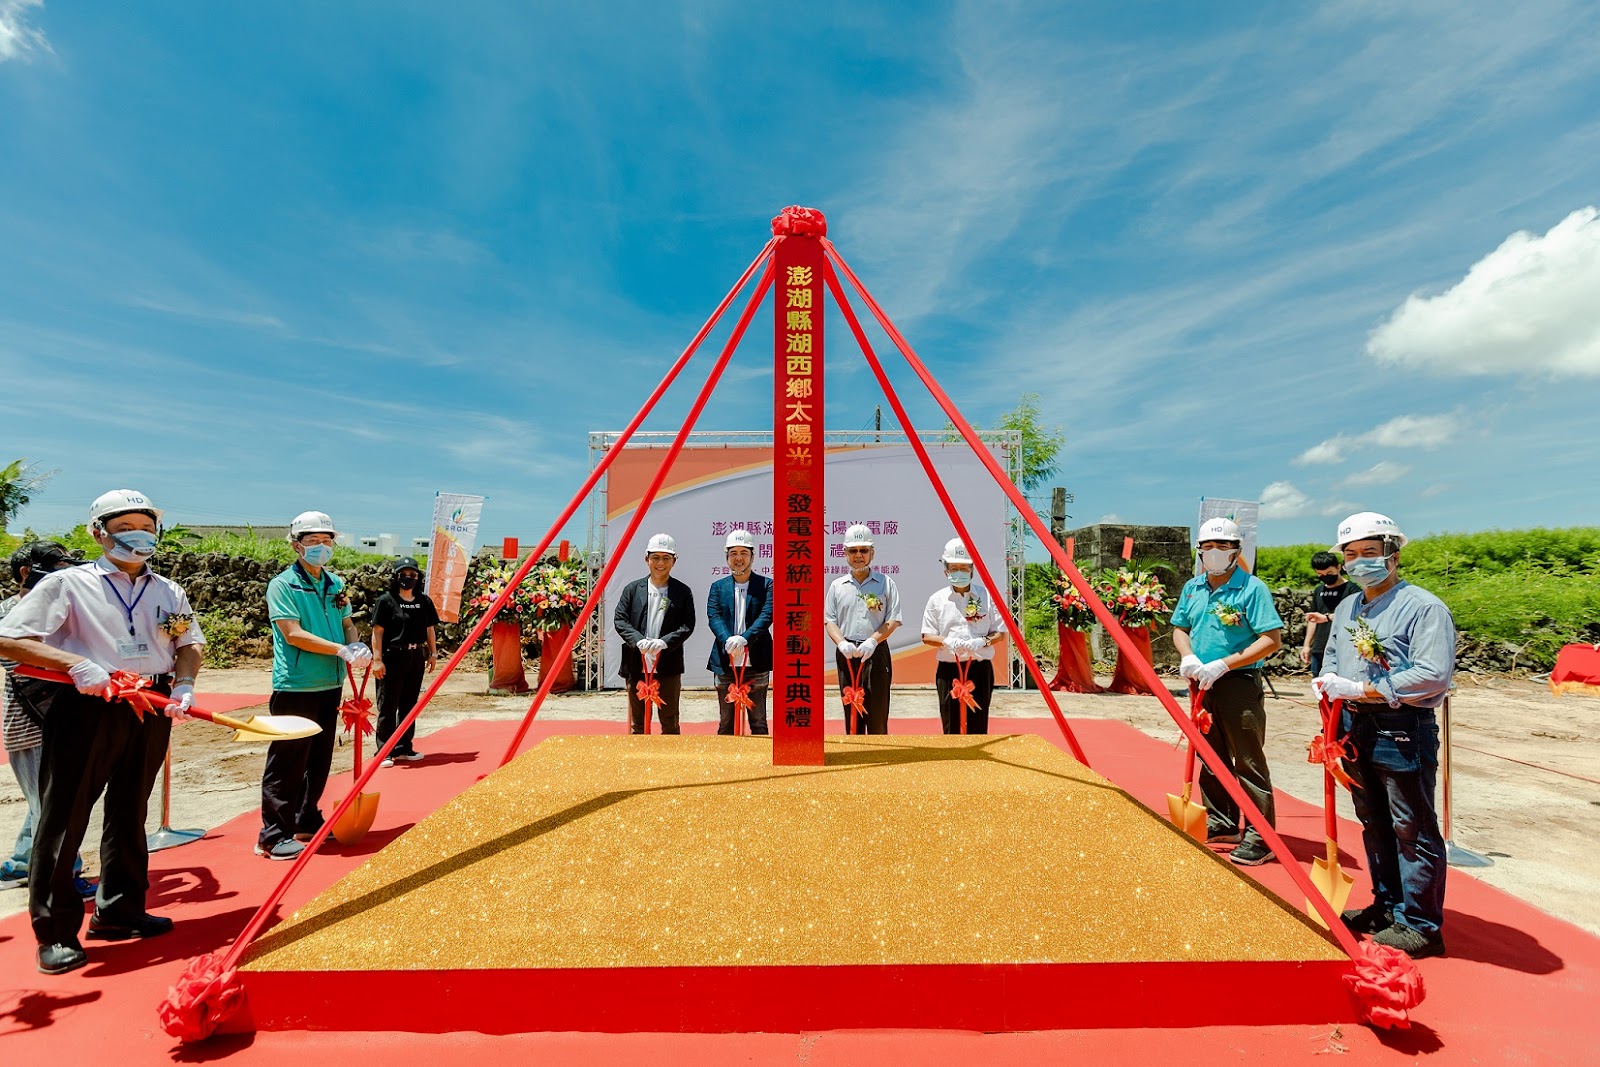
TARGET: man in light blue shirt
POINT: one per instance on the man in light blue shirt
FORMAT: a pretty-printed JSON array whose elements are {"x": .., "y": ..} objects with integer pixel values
[
  {"x": 1224, "y": 626},
  {"x": 860, "y": 611},
  {"x": 1390, "y": 656}
]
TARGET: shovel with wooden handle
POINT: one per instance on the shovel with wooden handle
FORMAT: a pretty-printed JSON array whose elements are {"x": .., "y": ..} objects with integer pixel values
[
  {"x": 1326, "y": 874},
  {"x": 249, "y": 728},
  {"x": 352, "y": 826},
  {"x": 1186, "y": 814}
]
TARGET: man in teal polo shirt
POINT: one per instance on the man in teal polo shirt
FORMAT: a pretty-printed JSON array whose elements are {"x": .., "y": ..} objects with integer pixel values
[
  {"x": 313, "y": 637},
  {"x": 1224, "y": 626}
]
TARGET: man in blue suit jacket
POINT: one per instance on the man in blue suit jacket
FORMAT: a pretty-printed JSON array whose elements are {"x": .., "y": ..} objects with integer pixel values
[{"x": 739, "y": 610}]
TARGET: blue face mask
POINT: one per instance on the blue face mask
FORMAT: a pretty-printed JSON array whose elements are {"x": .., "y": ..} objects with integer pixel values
[
  {"x": 318, "y": 555},
  {"x": 132, "y": 546},
  {"x": 1367, "y": 571},
  {"x": 959, "y": 579}
]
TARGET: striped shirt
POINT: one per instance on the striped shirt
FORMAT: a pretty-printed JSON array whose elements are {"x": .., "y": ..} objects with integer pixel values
[{"x": 18, "y": 730}]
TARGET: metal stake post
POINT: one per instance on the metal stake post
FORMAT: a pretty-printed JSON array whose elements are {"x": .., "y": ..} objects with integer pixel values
[
  {"x": 1454, "y": 854},
  {"x": 166, "y": 836}
]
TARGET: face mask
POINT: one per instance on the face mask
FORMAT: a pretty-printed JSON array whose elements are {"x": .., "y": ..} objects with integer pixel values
[
  {"x": 406, "y": 582},
  {"x": 1332, "y": 579},
  {"x": 1217, "y": 560},
  {"x": 959, "y": 579},
  {"x": 132, "y": 546},
  {"x": 318, "y": 555},
  {"x": 1368, "y": 571}
]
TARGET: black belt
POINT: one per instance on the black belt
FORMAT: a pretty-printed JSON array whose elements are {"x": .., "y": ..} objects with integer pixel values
[
  {"x": 411, "y": 648},
  {"x": 1383, "y": 705}
]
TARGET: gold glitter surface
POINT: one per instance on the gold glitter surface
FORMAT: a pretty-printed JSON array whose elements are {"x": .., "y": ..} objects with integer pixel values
[{"x": 696, "y": 851}]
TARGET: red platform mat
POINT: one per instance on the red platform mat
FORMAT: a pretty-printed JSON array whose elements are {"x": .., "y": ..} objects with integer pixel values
[{"x": 1518, "y": 987}]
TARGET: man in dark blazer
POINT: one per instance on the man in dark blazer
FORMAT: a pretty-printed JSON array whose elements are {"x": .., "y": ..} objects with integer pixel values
[
  {"x": 655, "y": 616},
  {"x": 739, "y": 610}
]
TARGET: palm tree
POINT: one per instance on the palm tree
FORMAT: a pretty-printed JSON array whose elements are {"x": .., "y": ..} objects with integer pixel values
[{"x": 18, "y": 483}]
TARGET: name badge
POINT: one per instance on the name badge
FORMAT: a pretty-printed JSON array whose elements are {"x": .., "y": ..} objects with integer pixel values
[{"x": 133, "y": 648}]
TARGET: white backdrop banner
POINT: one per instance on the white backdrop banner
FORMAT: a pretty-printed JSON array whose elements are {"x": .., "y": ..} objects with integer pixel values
[{"x": 714, "y": 490}]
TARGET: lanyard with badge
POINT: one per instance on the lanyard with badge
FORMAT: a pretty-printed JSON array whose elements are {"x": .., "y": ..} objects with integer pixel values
[{"x": 133, "y": 646}]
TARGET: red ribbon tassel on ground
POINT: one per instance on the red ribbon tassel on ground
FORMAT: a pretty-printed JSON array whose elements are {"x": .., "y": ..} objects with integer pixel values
[
  {"x": 1386, "y": 984},
  {"x": 205, "y": 994}
]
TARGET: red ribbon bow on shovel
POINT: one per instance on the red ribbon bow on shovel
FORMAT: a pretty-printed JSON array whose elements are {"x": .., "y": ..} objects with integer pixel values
[
  {"x": 125, "y": 686},
  {"x": 739, "y": 696},
  {"x": 962, "y": 689},
  {"x": 1331, "y": 751},
  {"x": 649, "y": 694},
  {"x": 855, "y": 697},
  {"x": 355, "y": 713}
]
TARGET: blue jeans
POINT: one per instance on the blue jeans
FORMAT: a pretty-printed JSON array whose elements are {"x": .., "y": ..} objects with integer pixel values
[
  {"x": 25, "y": 765},
  {"x": 1397, "y": 761}
]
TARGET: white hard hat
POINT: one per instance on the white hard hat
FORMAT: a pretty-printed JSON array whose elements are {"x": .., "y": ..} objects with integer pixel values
[
  {"x": 858, "y": 536},
  {"x": 1367, "y": 524},
  {"x": 120, "y": 502},
  {"x": 740, "y": 539},
  {"x": 1218, "y": 530},
  {"x": 956, "y": 552},
  {"x": 310, "y": 522},
  {"x": 662, "y": 543}
]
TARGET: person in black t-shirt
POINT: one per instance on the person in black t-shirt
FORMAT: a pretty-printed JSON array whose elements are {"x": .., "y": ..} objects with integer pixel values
[
  {"x": 404, "y": 648},
  {"x": 1334, "y": 587}
]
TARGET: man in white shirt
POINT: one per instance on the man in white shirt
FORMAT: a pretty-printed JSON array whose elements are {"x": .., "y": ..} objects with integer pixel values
[
  {"x": 654, "y": 617},
  {"x": 112, "y": 616},
  {"x": 962, "y": 624},
  {"x": 861, "y": 610}
]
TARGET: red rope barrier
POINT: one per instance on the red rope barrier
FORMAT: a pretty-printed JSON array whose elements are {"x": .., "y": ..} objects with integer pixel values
[
  {"x": 547, "y": 679},
  {"x": 1248, "y": 811},
  {"x": 937, "y": 482}
]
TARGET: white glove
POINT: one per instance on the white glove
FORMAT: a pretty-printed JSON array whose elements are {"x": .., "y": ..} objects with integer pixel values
[
  {"x": 90, "y": 678},
  {"x": 733, "y": 645},
  {"x": 847, "y": 649},
  {"x": 356, "y": 654},
  {"x": 954, "y": 644},
  {"x": 1208, "y": 673},
  {"x": 1190, "y": 666},
  {"x": 182, "y": 701},
  {"x": 975, "y": 645},
  {"x": 1334, "y": 687},
  {"x": 866, "y": 648}
]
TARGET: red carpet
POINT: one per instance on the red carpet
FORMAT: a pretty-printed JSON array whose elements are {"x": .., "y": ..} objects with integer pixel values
[{"x": 1519, "y": 986}]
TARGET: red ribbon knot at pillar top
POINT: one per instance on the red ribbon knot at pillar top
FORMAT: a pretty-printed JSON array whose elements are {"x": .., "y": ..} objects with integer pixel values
[
  {"x": 126, "y": 687},
  {"x": 797, "y": 221}
]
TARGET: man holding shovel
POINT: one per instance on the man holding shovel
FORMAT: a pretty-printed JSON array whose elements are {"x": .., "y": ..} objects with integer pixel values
[
  {"x": 1391, "y": 653},
  {"x": 114, "y": 615},
  {"x": 1224, "y": 626},
  {"x": 313, "y": 637}
]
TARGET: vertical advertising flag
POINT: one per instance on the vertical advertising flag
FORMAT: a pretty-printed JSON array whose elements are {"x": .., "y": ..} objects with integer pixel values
[
  {"x": 799, "y": 693},
  {"x": 455, "y": 538}
]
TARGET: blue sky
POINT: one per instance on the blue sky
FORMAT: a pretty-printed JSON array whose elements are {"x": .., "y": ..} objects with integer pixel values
[{"x": 262, "y": 258}]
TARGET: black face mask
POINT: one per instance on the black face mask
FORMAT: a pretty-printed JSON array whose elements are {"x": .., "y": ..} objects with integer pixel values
[
  {"x": 1332, "y": 579},
  {"x": 406, "y": 581}
]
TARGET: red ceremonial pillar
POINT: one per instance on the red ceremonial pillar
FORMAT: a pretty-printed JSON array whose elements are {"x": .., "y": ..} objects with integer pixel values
[{"x": 799, "y": 550}]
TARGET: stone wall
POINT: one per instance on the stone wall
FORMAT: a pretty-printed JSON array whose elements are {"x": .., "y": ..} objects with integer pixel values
[{"x": 1164, "y": 549}]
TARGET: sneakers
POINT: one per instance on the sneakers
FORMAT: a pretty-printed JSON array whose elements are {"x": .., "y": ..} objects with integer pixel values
[
  {"x": 1222, "y": 836},
  {"x": 388, "y": 761},
  {"x": 60, "y": 958},
  {"x": 85, "y": 888},
  {"x": 1251, "y": 853},
  {"x": 13, "y": 878},
  {"x": 1368, "y": 920},
  {"x": 409, "y": 757},
  {"x": 1414, "y": 943},
  {"x": 146, "y": 925},
  {"x": 287, "y": 849}
]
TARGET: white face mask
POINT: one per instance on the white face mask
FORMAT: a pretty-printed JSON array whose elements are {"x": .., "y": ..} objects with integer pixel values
[{"x": 1218, "y": 560}]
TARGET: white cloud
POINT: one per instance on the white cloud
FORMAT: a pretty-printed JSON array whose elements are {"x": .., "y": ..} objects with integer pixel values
[
  {"x": 1111, "y": 517},
  {"x": 1530, "y": 305},
  {"x": 1338, "y": 507},
  {"x": 1407, "y": 431},
  {"x": 1434, "y": 490},
  {"x": 1281, "y": 500},
  {"x": 1383, "y": 472},
  {"x": 18, "y": 39}
]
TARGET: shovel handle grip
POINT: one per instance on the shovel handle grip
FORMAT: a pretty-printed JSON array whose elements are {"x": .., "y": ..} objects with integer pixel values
[{"x": 160, "y": 700}]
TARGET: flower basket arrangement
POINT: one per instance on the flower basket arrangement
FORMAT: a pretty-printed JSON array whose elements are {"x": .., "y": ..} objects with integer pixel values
[
  {"x": 548, "y": 599},
  {"x": 1136, "y": 597},
  {"x": 1072, "y": 611}
]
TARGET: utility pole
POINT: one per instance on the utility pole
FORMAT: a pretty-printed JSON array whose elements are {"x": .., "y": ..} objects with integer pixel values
[
  {"x": 877, "y": 423},
  {"x": 1059, "y": 499}
]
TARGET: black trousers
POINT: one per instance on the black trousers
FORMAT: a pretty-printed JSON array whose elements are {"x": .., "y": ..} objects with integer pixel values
[
  {"x": 667, "y": 713},
  {"x": 1239, "y": 734},
  {"x": 980, "y": 672},
  {"x": 759, "y": 682},
  {"x": 877, "y": 674},
  {"x": 398, "y": 689},
  {"x": 89, "y": 747},
  {"x": 297, "y": 771}
]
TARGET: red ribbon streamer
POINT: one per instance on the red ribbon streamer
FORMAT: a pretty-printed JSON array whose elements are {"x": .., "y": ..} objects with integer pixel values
[
  {"x": 205, "y": 995},
  {"x": 1386, "y": 985}
]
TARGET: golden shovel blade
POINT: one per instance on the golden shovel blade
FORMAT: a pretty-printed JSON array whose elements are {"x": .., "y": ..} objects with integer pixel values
[
  {"x": 269, "y": 727},
  {"x": 353, "y": 825},
  {"x": 1332, "y": 883},
  {"x": 1187, "y": 816}
]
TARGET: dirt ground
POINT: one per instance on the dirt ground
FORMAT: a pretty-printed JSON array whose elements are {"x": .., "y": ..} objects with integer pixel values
[{"x": 1537, "y": 826}]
